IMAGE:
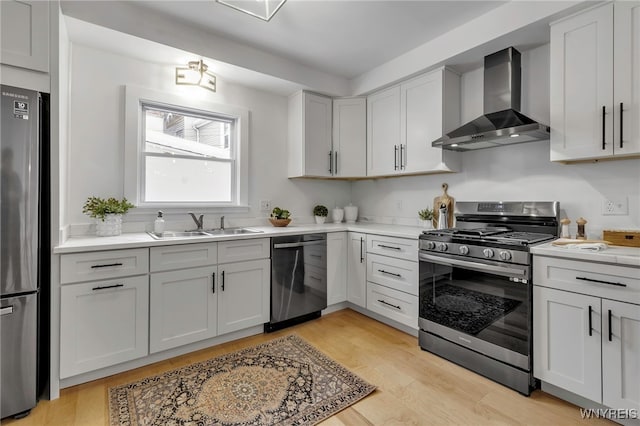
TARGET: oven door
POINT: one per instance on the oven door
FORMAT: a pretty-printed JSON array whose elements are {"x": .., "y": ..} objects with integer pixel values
[{"x": 484, "y": 306}]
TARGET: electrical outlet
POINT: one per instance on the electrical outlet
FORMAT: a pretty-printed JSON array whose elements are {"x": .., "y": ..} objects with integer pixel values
[
  {"x": 615, "y": 206},
  {"x": 265, "y": 205}
]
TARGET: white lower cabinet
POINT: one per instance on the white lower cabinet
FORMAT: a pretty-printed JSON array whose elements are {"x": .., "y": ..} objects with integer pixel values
[
  {"x": 336, "y": 267},
  {"x": 586, "y": 334},
  {"x": 566, "y": 349},
  {"x": 103, "y": 323},
  {"x": 357, "y": 269},
  {"x": 243, "y": 296},
  {"x": 183, "y": 307}
]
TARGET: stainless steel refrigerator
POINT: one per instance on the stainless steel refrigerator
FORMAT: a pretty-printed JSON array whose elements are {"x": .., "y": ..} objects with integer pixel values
[{"x": 20, "y": 203}]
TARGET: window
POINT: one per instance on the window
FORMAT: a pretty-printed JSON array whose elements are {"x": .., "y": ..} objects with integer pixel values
[{"x": 184, "y": 153}]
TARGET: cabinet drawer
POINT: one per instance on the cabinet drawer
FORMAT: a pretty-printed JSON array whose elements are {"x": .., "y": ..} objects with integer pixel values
[
  {"x": 103, "y": 323},
  {"x": 100, "y": 265},
  {"x": 399, "y": 306},
  {"x": 239, "y": 250},
  {"x": 398, "y": 274},
  {"x": 401, "y": 248},
  {"x": 596, "y": 279},
  {"x": 183, "y": 256}
]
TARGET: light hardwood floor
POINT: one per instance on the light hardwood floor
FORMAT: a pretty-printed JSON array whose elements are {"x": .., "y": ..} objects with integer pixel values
[{"x": 414, "y": 386}]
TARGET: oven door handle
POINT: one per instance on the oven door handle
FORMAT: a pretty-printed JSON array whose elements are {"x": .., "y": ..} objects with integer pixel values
[{"x": 501, "y": 270}]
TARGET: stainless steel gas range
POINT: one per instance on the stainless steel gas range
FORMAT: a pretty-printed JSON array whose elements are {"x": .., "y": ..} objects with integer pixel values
[{"x": 476, "y": 290}]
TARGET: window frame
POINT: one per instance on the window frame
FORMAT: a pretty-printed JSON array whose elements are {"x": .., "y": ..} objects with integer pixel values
[{"x": 134, "y": 151}]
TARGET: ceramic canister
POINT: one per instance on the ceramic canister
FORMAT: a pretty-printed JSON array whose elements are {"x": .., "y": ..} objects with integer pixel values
[
  {"x": 337, "y": 215},
  {"x": 350, "y": 213}
]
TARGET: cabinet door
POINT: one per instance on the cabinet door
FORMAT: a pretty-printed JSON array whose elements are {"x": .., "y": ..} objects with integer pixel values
[
  {"x": 383, "y": 132},
  {"x": 581, "y": 85},
  {"x": 350, "y": 137},
  {"x": 243, "y": 299},
  {"x": 421, "y": 110},
  {"x": 621, "y": 355},
  {"x": 626, "y": 82},
  {"x": 357, "y": 270},
  {"x": 103, "y": 323},
  {"x": 336, "y": 267},
  {"x": 183, "y": 307},
  {"x": 566, "y": 352},
  {"x": 317, "y": 135},
  {"x": 25, "y": 34}
]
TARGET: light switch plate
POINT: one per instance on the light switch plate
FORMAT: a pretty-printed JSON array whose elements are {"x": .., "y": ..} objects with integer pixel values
[
  {"x": 615, "y": 206},
  {"x": 265, "y": 205}
]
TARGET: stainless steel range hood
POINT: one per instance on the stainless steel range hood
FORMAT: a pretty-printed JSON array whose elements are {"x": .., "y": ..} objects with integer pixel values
[{"x": 502, "y": 122}]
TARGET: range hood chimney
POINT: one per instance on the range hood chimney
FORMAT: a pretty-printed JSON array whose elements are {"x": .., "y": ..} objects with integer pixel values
[{"x": 502, "y": 122}]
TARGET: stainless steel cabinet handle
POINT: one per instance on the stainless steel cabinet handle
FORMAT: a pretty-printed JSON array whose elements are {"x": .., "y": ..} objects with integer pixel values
[
  {"x": 389, "y": 273},
  {"x": 389, "y": 304},
  {"x": 213, "y": 283},
  {"x": 335, "y": 160},
  {"x": 389, "y": 247},
  {"x": 601, "y": 282},
  {"x": 106, "y": 265},
  {"x": 300, "y": 244},
  {"x": 330, "y": 163},
  {"x": 590, "y": 321},
  {"x": 395, "y": 157},
  {"x": 107, "y": 286},
  {"x": 621, "y": 124},
  {"x": 604, "y": 113},
  {"x": 7, "y": 310},
  {"x": 222, "y": 286},
  {"x": 610, "y": 328},
  {"x": 361, "y": 249},
  {"x": 401, "y": 157}
]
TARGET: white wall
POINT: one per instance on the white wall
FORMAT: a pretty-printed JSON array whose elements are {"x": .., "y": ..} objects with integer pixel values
[
  {"x": 519, "y": 172},
  {"x": 96, "y": 147}
]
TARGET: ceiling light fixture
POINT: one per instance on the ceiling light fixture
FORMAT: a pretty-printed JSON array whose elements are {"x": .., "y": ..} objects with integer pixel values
[
  {"x": 263, "y": 9},
  {"x": 196, "y": 74}
]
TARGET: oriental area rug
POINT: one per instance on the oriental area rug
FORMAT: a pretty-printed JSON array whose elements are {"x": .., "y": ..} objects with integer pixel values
[{"x": 285, "y": 381}]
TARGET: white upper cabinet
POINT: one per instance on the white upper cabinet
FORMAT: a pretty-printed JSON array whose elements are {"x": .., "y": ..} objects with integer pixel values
[
  {"x": 349, "y": 137},
  {"x": 25, "y": 34},
  {"x": 309, "y": 140},
  {"x": 403, "y": 120},
  {"x": 429, "y": 107},
  {"x": 383, "y": 132},
  {"x": 595, "y": 93}
]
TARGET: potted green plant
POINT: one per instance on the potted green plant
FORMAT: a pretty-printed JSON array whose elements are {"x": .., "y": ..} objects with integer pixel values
[
  {"x": 108, "y": 214},
  {"x": 425, "y": 217},
  {"x": 280, "y": 217},
  {"x": 320, "y": 212}
]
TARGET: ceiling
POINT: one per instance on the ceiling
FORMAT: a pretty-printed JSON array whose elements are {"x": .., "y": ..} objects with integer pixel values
[{"x": 342, "y": 37}]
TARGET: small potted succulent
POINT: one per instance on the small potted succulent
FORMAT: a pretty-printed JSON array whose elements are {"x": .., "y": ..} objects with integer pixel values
[
  {"x": 425, "y": 218},
  {"x": 108, "y": 214},
  {"x": 320, "y": 212},
  {"x": 280, "y": 217}
]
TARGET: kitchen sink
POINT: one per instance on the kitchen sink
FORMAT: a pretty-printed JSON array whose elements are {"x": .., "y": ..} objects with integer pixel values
[
  {"x": 208, "y": 233},
  {"x": 233, "y": 231}
]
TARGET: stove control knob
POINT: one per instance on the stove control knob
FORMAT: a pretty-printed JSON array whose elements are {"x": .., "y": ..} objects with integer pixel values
[
  {"x": 463, "y": 250},
  {"x": 488, "y": 253},
  {"x": 443, "y": 247},
  {"x": 431, "y": 245},
  {"x": 505, "y": 255}
]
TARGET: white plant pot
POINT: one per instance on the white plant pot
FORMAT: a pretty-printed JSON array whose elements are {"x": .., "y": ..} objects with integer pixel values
[
  {"x": 320, "y": 219},
  {"x": 110, "y": 226}
]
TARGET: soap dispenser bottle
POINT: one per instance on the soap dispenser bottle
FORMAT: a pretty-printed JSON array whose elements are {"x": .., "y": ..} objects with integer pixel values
[{"x": 158, "y": 226}]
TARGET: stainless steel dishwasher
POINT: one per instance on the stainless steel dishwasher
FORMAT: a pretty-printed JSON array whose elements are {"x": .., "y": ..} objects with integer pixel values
[{"x": 298, "y": 279}]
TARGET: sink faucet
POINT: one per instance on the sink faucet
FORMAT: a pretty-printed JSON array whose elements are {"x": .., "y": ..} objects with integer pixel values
[
  {"x": 221, "y": 222},
  {"x": 198, "y": 220}
]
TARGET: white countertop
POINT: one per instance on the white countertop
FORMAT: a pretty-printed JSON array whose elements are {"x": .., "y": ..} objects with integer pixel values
[
  {"x": 142, "y": 239},
  {"x": 628, "y": 256}
]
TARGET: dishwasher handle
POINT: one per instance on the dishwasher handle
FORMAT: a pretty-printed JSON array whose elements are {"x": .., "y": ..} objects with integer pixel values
[{"x": 299, "y": 244}]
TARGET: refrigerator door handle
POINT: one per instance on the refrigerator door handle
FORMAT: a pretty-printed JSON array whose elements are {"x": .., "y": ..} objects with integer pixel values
[{"x": 7, "y": 310}]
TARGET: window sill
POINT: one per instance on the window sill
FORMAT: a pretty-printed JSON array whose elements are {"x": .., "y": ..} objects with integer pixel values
[{"x": 151, "y": 209}]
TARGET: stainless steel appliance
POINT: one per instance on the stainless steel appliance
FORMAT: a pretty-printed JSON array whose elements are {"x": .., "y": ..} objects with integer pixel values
[
  {"x": 476, "y": 291},
  {"x": 502, "y": 122},
  {"x": 298, "y": 279},
  {"x": 22, "y": 130}
]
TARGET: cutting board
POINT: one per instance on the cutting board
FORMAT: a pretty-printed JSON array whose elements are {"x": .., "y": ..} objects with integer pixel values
[
  {"x": 447, "y": 200},
  {"x": 565, "y": 241}
]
